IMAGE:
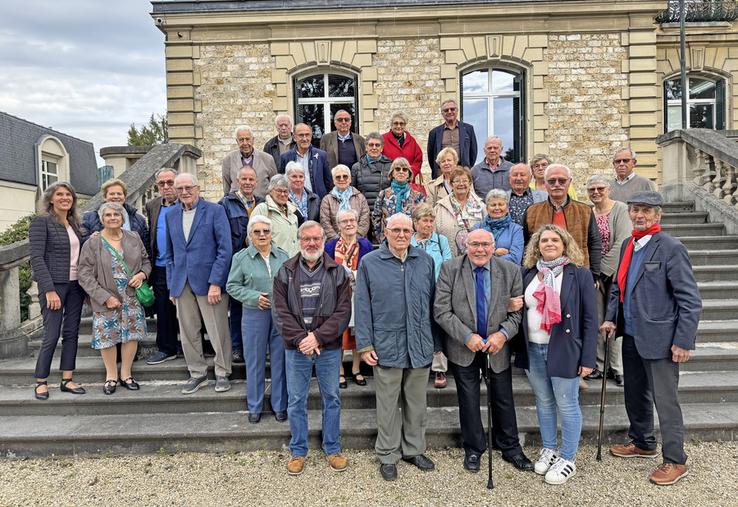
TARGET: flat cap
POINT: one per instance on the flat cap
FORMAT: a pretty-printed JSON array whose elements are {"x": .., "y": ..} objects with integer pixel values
[{"x": 647, "y": 197}]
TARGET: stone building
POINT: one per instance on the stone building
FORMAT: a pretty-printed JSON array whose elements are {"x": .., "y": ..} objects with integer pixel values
[{"x": 571, "y": 78}]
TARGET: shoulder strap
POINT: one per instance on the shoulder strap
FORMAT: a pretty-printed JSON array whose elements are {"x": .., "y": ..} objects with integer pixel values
[{"x": 117, "y": 255}]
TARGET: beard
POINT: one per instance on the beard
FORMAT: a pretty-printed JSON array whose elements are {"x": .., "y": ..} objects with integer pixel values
[{"x": 312, "y": 257}]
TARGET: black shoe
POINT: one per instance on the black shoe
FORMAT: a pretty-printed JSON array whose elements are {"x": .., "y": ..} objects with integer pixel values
[
  {"x": 388, "y": 472},
  {"x": 238, "y": 357},
  {"x": 519, "y": 461},
  {"x": 342, "y": 384},
  {"x": 421, "y": 461},
  {"x": 471, "y": 462},
  {"x": 254, "y": 418},
  {"x": 73, "y": 390},
  {"x": 619, "y": 380},
  {"x": 359, "y": 381},
  {"x": 595, "y": 375},
  {"x": 281, "y": 416},
  {"x": 130, "y": 384},
  {"x": 44, "y": 395},
  {"x": 610, "y": 374},
  {"x": 109, "y": 386}
]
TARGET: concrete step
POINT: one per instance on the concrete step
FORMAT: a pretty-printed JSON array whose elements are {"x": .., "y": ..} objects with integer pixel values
[
  {"x": 710, "y": 243},
  {"x": 718, "y": 309},
  {"x": 679, "y": 230},
  {"x": 84, "y": 349},
  {"x": 718, "y": 290},
  {"x": 22, "y": 436},
  {"x": 678, "y": 207},
  {"x": 724, "y": 273},
  {"x": 718, "y": 331},
  {"x": 692, "y": 217},
  {"x": 713, "y": 257}
]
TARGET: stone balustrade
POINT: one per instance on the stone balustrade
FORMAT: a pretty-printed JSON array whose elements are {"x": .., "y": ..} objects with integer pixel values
[{"x": 13, "y": 333}]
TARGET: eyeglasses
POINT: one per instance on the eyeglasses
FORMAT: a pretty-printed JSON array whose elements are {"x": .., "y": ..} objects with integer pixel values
[
  {"x": 540, "y": 165},
  {"x": 398, "y": 123},
  {"x": 185, "y": 190},
  {"x": 341, "y": 177},
  {"x": 343, "y": 120},
  {"x": 396, "y": 231},
  {"x": 560, "y": 181},
  {"x": 621, "y": 161},
  {"x": 165, "y": 183},
  {"x": 592, "y": 190},
  {"x": 482, "y": 244},
  {"x": 463, "y": 181},
  {"x": 373, "y": 145},
  {"x": 261, "y": 232},
  {"x": 448, "y": 109},
  {"x": 282, "y": 191},
  {"x": 402, "y": 169}
]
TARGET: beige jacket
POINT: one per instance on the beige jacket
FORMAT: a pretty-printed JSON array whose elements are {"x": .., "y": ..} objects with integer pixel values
[
  {"x": 329, "y": 211},
  {"x": 263, "y": 164},
  {"x": 446, "y": 223},
  {"x": 284, "y": 227}
]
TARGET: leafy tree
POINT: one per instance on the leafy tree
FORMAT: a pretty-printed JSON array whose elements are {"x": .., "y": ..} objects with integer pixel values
[{"x": 153, "y": 132}]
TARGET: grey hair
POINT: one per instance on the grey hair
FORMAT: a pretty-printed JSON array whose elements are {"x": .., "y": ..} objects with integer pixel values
[
  {"x": 396, "y": 217},
  {"x": 496, "y": 193},
  {"x": 339, "y": 168},
  {"x": 309, "y": 224},
  {"x": 342, "y": 111},
  {"x": 350, "y": 211},
  {"x": 557, "y": 166},
  {"x": 522, "y": 164},
  {"x": 448, "y": 101},
  {"x": 280, "y": 116},
  {"x": 494, "y": 138},
  {"x": 243, "y": 127},
  {"x": 540, "y": 156},
  {"x": 293, "y": 167},
  {"x": 375, "y": 136},
  {"x": 625, "y": 148},
  {"x": 399, "y": 114},
  {"x": 165, "y": 170},
  {"x": 278, "y": 180},
  {"x": 114, "y": 206},
  {"x": 476, "y": 231},
  {"x": 598, "y": 178},
  {"x": 257, "y": 219},
  {"x": 192, "y": 177}
]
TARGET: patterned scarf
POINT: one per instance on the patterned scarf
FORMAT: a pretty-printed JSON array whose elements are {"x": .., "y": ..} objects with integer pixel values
[
  {"x": 343, "y": 197},
  {"x": 401, "y": 190},
  {"x": 549, "y": 304},
  {"x": 496, "y": 225},
  {"x": 471, "y": 212},
  {"x": 302, "y": 204}
]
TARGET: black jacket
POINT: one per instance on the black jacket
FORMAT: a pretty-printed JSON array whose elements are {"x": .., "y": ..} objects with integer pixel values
[
  {"x": 272, "y": 147},
  {"x": 49, "y": 244},
  {"x": 369, "y": 179}
]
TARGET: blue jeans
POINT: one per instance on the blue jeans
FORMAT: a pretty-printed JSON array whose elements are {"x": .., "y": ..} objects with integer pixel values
[
  {"x": 299, "y": 371},
  {"x": 552, "y": 393},
  {"x": 259, "y": 336}
]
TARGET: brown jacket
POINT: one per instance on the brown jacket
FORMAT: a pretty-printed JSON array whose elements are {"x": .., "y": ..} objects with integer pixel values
[
  {"x": 95, "y": 272},
  {"x": 329, "y": 213},
  {"x": 329, "y": 144}
]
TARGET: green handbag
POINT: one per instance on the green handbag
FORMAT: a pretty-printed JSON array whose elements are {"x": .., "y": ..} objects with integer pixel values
[{"x": 144, "y": 293}]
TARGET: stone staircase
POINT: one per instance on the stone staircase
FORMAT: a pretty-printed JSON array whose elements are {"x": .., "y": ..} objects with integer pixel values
[{"x": 158, "y": 417}]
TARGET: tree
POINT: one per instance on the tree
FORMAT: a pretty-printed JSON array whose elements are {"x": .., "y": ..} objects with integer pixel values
[{"x": 154, "y": 132}]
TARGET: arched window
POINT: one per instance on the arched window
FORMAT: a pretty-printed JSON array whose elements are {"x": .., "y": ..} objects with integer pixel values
[
  {"x": 492, "y": 101},
  {"x": 705, "y": 103},
  {"x": 319, "y": 96},
  {"x": 53, "y": 161}
]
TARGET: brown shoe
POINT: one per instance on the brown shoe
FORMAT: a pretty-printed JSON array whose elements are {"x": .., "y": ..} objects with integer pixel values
[
  {"x": 296, "y": 465},
  {"x": 630, "y": 450},
  {"x": 338, "y": 462},
  {"x": 440, "y": 382},
  {"x": 667, "y": 474}
]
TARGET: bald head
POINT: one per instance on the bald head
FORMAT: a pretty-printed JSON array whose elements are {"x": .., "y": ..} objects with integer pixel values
[{"x": 480, "y": 246}]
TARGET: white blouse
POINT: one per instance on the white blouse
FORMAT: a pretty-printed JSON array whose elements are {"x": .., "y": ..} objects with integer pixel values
[{"x": 535, "y": 333}]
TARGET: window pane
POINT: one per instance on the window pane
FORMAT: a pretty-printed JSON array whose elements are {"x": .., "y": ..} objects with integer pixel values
[
  {"x": 476, "y": 82},
  {"x": 673, "y": 89},
  {"x": 312, "y": 114},
  {"x": 476, "y": 113},
  {"x": 502, "y": 82},
  {"x": 346, "y": 107},
  {"x": 674, "y": 118},
  {"x": 701, "y": 116},
  {"x": 51, "y": 167},
  {"x": 341, "y": 86},
  {"x": 701, "y": 89},
  {"x": 505, "y": 125},
  {"x": 312, "y": 86}
]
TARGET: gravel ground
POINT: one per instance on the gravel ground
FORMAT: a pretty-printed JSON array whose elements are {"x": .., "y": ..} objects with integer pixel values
[{"x": 260, "y": 478}]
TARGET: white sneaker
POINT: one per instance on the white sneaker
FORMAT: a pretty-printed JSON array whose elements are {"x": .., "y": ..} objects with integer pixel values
[
  {"x": 546, "y": 458},
  {"x": 560, "y": 472}
]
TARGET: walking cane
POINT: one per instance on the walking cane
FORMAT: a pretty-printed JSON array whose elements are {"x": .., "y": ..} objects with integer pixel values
[
  {"x": 602, "y": 395},
  {"x": 488, "y": 381}
]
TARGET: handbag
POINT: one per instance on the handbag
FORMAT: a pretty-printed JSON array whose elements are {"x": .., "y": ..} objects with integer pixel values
[{"x": 144, "y": 292}]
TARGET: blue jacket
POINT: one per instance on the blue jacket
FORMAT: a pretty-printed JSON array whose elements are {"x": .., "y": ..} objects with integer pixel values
[
  {"x": 205, "y": 258},
  {"x": 437, "y": 247},
  {"x": 666, "y": 303},
  {"x": 91, "y": 222},
  {"x": 394, "y": 308},
  {"x": 365, "y": 246},
  {"x": 237, "y": 218},
  {"x": 573, "y": 341},
  {"x": 467, "y": 146},
  {"x": 320, "y": 173},
  {"x": 511, "y": 238}
]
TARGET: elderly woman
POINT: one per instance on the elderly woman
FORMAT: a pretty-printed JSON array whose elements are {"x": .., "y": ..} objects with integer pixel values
[
  {"x": 459, "y": 212},
  {"x": 307, "y": 202},
  {"x": 112, "y": 265},
  {"x": 559, "y": 330},
  {"x": 614, "y": 225},
  {"x": 278, "y": 208},
  {"x": 55, "y": 238},
  {"x": 348, "y": 249},
  {"x": 424, "y": 221},
  {"x": 399, "y": 143},
  {"x": 538, "y": 165},
  {"x": 398, "y": 198},
  {"x": 341, "y": 198},
  {"x": 447, "y": 160},
  {"x": 509, "y": 241},
  {"x": 371, "y": 174},
  {"x": 250, "y": 282}
]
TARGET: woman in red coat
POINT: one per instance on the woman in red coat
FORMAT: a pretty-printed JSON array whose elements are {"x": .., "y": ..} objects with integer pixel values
[{"x": 399, "y": 143}]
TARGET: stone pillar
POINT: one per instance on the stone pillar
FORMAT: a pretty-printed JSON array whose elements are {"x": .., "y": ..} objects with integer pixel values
[{"x": 13, "y": 342}]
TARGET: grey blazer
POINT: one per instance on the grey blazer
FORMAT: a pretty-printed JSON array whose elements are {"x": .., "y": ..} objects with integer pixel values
[
  {"x": 96, "y": 274},
  {"x": 263, "y": 165},
  {"x": 455, "y": 308},
  {"x": 329, "y": 144}
]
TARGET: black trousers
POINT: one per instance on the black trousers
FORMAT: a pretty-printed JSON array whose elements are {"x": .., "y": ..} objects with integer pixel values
[
  {"x": 649, "y": 382},
  {"x": 64, "y": 322},
  {"x": 504, "y": 420},
  {"x": 166, "y": 313}
]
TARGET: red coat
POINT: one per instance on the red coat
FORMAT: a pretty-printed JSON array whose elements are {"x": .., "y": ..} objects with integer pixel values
[{"x": 410, "y": 150}]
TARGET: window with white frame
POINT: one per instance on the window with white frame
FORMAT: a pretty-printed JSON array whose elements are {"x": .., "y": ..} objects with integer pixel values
[
  {"x": 49, "y": 173},
  {"x": 492, "y": 102},
  {"x": 705, "y": 103},
  {"x": 319, "y": 96}
]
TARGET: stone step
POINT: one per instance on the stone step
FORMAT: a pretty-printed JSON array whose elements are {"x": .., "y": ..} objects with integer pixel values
[
  {"x": 679, "y": 230},
  {"x": 713, "y": 257},
  {"x": 718, "y": 290},
  {"x": 693, "y": 217},
  {"x": 710, "y": 243},
  {"x": 726, "y": 272},
  {"x": 678, "y": 207},
  {"x": 718, "y": 331},
  {"x": 718, "y": 309},
  {"x": 22, "y": 436},
  {"x": 84, "y": 349}
]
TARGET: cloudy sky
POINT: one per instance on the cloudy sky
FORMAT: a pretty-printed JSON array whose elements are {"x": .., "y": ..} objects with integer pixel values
[{"x": 88, "y": 68}]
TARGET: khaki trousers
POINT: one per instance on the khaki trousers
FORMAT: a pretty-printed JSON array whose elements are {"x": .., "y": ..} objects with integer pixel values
[{"x": 190, "y": 308}]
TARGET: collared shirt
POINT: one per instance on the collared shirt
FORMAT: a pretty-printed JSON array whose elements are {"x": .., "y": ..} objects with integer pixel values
[
  {"x": 249, "y": 161},
  {"x": 400, "y": 258},
  {"x": 451, "y": 137},
  {"x": 284, "y": 144},
  {"x": 188, "y": 216},
  {"x": 344, "y": 138},
  {"x": 626, "y": 180},
  {"x": 304, "y": 161},
  {"x": 518, "y": 204},
  {"x": 161, "y": 234}
]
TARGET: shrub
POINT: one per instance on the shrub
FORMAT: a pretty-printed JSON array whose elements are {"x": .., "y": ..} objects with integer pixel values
[{"x": 18, "y": 232}]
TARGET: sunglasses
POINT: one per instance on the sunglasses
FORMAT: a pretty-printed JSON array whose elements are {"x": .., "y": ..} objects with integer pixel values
[
  {"x": 261, "y": 232},
  {"x": 343, "y": 120},
  {"x": 560, "y": 181},
  {"x": 341, "y": 177},
  {"x": 621, "y": 161},
  {"x": 448, "y": 109}
]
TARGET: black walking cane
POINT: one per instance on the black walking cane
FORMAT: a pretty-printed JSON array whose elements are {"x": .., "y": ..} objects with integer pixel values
[
  {"x": 488, "y": 382},
  {"x": 602, "y": 395}
]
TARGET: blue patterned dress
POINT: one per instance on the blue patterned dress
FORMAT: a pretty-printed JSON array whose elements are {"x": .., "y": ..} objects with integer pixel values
[{"x": 122, "y": 324}]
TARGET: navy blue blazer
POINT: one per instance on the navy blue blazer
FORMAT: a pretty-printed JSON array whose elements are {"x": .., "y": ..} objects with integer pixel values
[
  {"x": 666, "y": 303},
  {"x": 320, "y": 171},
  {"x": 467, "y": 146},
  {"x": 573, "y": 341},
  {"x": 205, "y": 258}
]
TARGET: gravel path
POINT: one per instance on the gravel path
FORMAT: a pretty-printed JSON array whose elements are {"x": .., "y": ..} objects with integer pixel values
[{"x": 260, "y": 478}]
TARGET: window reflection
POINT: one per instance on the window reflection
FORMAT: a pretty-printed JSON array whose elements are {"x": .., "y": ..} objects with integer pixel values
[
  {"x": 705, "y": 103},
  {"x": 319, "y": 96}
]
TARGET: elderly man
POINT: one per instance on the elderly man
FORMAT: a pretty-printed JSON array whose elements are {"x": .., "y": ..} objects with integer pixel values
[
  {"x": 452, "y": 133},
  {"x": 655, "y": 306},
  {"x": 166, "y": 313},
  {"x": 574, "y": 216},
  {"x": 312, "y": 308},
  {"x": 493, "y": 171},
  {"x": 394, "y": 304},
  {"x": 471, "y": 306},
  {"x": 238, "y": 206},
  {"x": 198, "y": 259},
  {"x": 314, "y": 162},
  {"x": 246, "y": 155},
  {"x": 520, "y": 195},
  {"x": 626, "y": 181},
  {"x": 283, "y": 141},
  {"x": 342, "y": 145}
]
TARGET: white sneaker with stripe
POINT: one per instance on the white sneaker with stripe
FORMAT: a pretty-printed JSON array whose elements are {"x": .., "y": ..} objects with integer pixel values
[{"x": 560, "y": 472}]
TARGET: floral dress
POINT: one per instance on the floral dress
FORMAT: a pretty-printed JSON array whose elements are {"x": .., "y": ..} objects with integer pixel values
[{"x": 123, "y": 324}]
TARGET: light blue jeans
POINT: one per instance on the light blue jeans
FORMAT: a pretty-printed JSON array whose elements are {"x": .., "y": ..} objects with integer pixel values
[
  {"x": 299, "y": 371},
  {"x": 554, "y": 393}
]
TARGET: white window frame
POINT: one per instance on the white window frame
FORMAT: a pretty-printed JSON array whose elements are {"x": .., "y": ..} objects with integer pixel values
[
  {"x": 45, "y": 173},
  {"x": 715, "y": 102},
  {"x": 326, "y": 100}
]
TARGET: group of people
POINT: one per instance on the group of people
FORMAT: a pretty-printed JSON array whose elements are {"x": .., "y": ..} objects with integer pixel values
[{"x": 284, "y": 267}]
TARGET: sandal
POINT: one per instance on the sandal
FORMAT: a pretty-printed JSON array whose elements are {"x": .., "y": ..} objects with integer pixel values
[
  {"x": 74, "y": 390},
  {"x": 44, "y": 395},
  {"x": 359, "y": 381},
  {"x": 342, "y": 384},
  {"x": 130, "y": 384},
  {"x": 109, "y": 386}
]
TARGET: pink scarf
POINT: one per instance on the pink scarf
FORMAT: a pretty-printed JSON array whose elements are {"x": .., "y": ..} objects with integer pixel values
[{"x": 549, "y": 303}]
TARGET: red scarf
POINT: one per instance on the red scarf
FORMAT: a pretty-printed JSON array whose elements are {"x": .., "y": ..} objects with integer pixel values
[{"x": 628, "y": 256}]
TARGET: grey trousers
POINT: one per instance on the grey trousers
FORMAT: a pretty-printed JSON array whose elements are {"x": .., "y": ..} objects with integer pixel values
[
  {"x": 190, "y": 308},
  {"x": 401, "y": 412},
  {"x": 616, "y": 344}
]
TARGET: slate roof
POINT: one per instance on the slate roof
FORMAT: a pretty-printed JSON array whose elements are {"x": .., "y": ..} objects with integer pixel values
[{"x": 18, "y": 140}]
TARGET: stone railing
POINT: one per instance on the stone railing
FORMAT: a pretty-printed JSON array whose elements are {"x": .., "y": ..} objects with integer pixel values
[
  {"x": 702, "y": 165},
  {"x": 14, "y": 335}
]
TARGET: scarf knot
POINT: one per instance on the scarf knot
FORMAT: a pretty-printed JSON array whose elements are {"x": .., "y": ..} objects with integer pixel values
[
  {"x": 548, "y": 302},
  {"x": 343, "y": 196},
  {"x": 401, "y": 190}
]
